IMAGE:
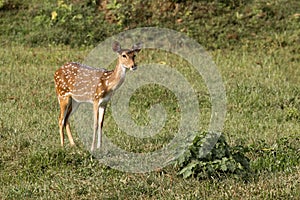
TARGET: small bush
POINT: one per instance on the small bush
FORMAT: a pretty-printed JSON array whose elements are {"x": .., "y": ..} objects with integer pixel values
[{"x": 221, "y": 160}]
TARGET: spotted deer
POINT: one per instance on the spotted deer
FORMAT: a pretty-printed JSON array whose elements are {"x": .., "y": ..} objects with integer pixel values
[{"x": 76, "y": 83}]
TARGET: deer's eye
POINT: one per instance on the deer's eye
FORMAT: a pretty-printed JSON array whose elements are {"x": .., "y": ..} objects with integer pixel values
[{"x": 124, "y": 56}]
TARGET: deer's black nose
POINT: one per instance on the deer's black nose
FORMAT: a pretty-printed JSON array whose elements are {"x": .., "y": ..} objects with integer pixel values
[{"x": 134, "y": 67}]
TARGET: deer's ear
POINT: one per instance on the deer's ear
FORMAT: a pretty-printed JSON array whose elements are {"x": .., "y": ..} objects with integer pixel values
[
  {"x": 116, "y": 47},
  {"x": 137, "y": 47}
]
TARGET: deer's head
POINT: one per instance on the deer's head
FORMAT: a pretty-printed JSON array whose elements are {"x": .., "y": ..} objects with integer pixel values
[{"x": 126, "y": 56}]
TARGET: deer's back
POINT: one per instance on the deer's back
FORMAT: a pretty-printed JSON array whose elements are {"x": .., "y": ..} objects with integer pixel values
[{"x": 79, "y": 81}]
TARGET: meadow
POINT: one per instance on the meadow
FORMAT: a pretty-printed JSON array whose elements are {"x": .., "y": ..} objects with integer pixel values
[{"x": 260, "y": 69}]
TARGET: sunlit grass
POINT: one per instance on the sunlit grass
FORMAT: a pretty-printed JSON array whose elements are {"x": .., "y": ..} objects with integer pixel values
[
  {"x": 263, "y": 104},
  {"x": 255, "y": 45}
]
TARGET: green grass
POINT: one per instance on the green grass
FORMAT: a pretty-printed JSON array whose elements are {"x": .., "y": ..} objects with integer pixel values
[
  {"x": 255, "y": 46},
  {"x": 33, "y": 165}
]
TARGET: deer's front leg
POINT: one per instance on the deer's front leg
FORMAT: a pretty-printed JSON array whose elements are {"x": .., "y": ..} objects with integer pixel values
[
  {"x": 100, "y": 125},
  {"x": 96, "y": 124}
]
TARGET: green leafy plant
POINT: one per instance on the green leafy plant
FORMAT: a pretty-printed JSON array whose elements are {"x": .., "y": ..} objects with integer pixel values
[{"x": 221, "y": 160}]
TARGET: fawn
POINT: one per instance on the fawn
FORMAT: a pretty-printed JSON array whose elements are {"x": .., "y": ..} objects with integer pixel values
[{"x": 76, "y": 83}]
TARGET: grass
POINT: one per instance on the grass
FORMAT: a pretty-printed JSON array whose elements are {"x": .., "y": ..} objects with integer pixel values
[
  {"x": 33, "y": 165},
  {"x": 260, "y": 70}
]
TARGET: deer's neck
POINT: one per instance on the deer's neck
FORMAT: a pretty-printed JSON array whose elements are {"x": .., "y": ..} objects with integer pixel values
[{"x": 117, "y": 77}]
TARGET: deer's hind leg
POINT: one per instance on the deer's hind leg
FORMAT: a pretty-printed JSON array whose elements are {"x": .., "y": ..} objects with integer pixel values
[
  {"x": 65, "y": 105},
  {"x": 72, "y": 107}
]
